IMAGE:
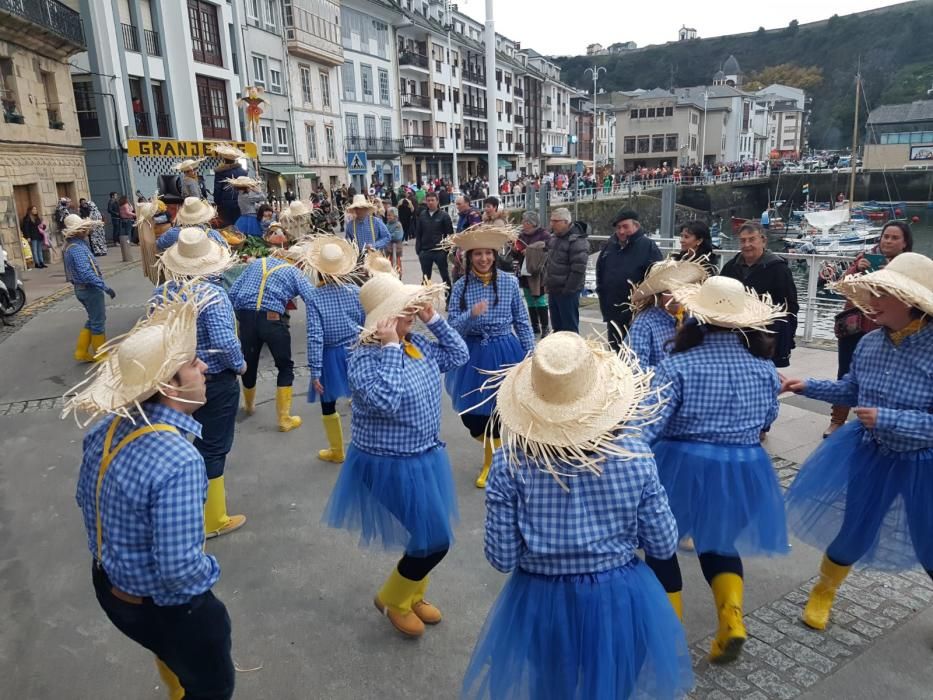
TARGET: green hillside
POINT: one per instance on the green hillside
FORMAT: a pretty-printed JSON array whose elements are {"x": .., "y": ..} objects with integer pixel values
[{"x": 895, "y": 45}]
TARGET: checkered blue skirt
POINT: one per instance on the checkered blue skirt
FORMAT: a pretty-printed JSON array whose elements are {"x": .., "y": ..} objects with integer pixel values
[
  {"x": 333, "y": 376},
  {"x": 463, "y": 383}
]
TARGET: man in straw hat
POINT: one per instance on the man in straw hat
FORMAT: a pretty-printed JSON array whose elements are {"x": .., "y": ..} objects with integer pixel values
[
  {"x": 193, "y": 212},
  {"x": 193, "y": 266},
  {"x": 396, "y": 484},
  {"x": 141, "y": 491},
  {"x": 572, "y": 494},
  {"x": 190, "y": 185},
  {"x": 487, "y": 309},
  {"x": 335, "y": 316},
  {"x": 296, "y": 219},
  {"x": 230, "y": 167},
  {"x": 260, "y": 296},
  {"x": 721, "y": 389},
  {"x": 864, "y": 495},
  {"x": 363, "y": 227},
  {"x": 82, "y": 272}
]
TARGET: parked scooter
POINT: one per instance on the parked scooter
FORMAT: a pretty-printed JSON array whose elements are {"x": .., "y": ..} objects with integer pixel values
[{"x": 12, "y": 294}]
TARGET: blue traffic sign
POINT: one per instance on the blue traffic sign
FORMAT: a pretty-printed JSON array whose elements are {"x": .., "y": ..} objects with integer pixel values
[
  {"x": 356, "y": 162},
  {"x": 580, "y": 167}
]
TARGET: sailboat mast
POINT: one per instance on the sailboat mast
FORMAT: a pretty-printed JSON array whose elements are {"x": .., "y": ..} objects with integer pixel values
[{"x": 854, "y": 159}]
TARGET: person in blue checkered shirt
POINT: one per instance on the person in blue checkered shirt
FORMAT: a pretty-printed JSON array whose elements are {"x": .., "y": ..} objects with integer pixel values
[
  {"x": 141, "y": 490},
  {"x": 335, "y": 317},
  {"x": 572, "y": 494},
  {"x": 656, "y": 313},
  {"x": 720, "y": 389},
  {"x": 194, "y": 212},
  {"x": 193, "y": 266},
  {"x": 486, "y": 307},
  {"x": 864, "y": 495},
  {"x": 396, "y": 485}
]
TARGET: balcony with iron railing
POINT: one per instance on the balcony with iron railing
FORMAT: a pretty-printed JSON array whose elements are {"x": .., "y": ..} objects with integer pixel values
[
  {"x": 519, "y": 147},
  {"x": 143, "y": 126},
  {"x": 475, "y": 144},
  {"x": 473, "y": 111},
  {"x": 88, "y": 123},
  {"x": 474, "y": 76},
  {"x": 42, "y": 24},
  {"x": 414, "y": 141},
  {"x": 311, "y": 36},
  {"x": 130, "y": 38},
  {"x": 374, "y": 146},
  {"x": 415, "y": 101},
  {"x": 519, "y": 119},
  {"x": 153, "y": 45},
  {"x": 518, "y": 92},
  {"x": 410, "y": 59},
  {"x": 164, "y": 125}
]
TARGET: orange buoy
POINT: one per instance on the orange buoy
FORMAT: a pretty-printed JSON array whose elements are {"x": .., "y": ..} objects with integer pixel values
[{"x": 915, "y": 219}]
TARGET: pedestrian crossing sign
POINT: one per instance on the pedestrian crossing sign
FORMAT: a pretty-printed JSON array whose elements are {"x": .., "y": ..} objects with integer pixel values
[{"x": 356, "y": 162}]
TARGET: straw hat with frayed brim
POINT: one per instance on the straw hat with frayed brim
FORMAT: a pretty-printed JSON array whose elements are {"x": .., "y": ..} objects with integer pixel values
[
  {"x": 188, "y": 164},
  {"x": 228, "y": 151},
  {"x": 243, "y": 182},
  {"x": 194, "y": 211},
  {"x": 294, "y": 254},
  {"x": 360, "y": 202},
  {"x": 482, "y": 236},
  {"x": 294, "y": 210},
  {"x": 667, "y": 275},
  {"x": 386, "y": 296},
  {"x": 142, "y": 362},
  {"x": 725, "y": 302},
  {"x": 333, "y": 258},
  {"x": 375, "y": 263},
  {"x": 74, "y": 225},
  {"x": 194, "y": 254},
  {"x": 567, "y": 405},
  {"x": 908, "y": 277}
]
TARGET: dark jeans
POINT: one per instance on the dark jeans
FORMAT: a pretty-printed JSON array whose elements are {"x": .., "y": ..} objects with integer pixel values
[
  {"x": 92, "y": 299},
  {"x": 257, "y": 330},
  {"x": 846, "y": 349},
  {"x": 218, "y": 421},
  {"x": 430, "y": 258},
  {"x": 565, "y": 311},
  {"x": 193, "y": 639}
]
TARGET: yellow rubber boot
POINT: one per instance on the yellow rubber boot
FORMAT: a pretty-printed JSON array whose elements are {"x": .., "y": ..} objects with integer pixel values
[
  {"x": 428, "y": 613},
  {"x": 490, "y": 445},
  {"x": 731, "y": 635},
  {"x": 96, "y": 342},
  {"x": 334, "y": 431},
  {"x": 172, "y": 684},
  {"x": 394, "y": 600},
  {"x": 283, "y": 407},
  {"x": 216, "y": 520},
  {"x": 81, "y": 347},
  {"x": 677, "y": 602},
  {"x": 249, "y": 400},
  {"x": 816, "y": 613}
]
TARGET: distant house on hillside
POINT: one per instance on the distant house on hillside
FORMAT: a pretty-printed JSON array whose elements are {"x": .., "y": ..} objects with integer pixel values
[
  {"x": 596, "y": 50},
  {"x": 686, "y": 33},
  {"x": 622, "y": 46},
  {"x": 730, "y": 74}
]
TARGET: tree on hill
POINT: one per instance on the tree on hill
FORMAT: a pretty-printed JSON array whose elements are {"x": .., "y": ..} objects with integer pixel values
[
  {"x": 806, "y": 78},
  {"x": 909, "y": 83}
]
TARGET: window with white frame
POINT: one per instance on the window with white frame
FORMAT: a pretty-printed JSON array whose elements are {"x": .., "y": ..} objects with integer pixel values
[
  {"x": 259, "y": 71},
  {"x": 366, "y": 78},
  {"x": 281, "y": 134},
  {"x": 330, "y": 142},
  {"x": 304, "y": 73},
  {"x": 311, "y": 135},
  {"x": 384, "y": 86},
  {"x": 386, "y": 128},
  {"x": 348, "y": 76},
  {"x": 325, "y": 89},
  {"x": 353, "y": 125},
  {"x": 253, "y": 10},
  {"x": 271, "y": 17},
  {"x": 265, "y": 133},
  {"x": 275, "y": 75}
]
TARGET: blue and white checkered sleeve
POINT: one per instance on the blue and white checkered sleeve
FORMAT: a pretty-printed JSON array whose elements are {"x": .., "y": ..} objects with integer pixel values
[
  {"x": 450, "y": 351},
  {"x": 521, "y": 322},
  {"x": 219, "y": 321},
  {"x": 913, "y": 424},
  {"x": 382, "y": 235},
  {"x": 460, "y": 321},
  {"x": 657, "y": 528},
  {"x": 167, "y": 239},
  {"x": 215, "y": 235},
  {"x": 375, "y": 376},
  {"x": 772, "y": 400},
  {"x": 315, "y": 341},
  {"x": 639, "y": 339},
  {"x": 843, "y": 392},
  {"x": 503, "y": 543},
  {"x": 670, "y": 393},
  {"x": 83, "y": 271}
]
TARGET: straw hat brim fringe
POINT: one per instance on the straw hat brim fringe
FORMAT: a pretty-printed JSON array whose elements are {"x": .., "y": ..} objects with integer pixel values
[
  {"x": 410, "y": 298},
  {"x": 862, "y": 289},
  {"x": 347, "y": 271},
  {"x": 204, "y": 215},
  {"x": 228, "y": 152},
  {"x": 375, "y": 263},
  {"x": 178, "y": 268},
  {"x": 87, "y": 225},
  {"x": 481, "y": 236},
  {"x": 190, "y": 164},
  {"x": 757, "y": 315},
  {"x": 243, "y": 183},
  {"x": 665, "y": 276}
]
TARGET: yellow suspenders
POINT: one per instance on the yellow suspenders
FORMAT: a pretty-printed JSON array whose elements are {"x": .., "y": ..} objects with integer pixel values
[
  {"x": 372, "y": 229},
  {"x": 108, "y": 457},
  {"x": 262, "y": 284}
]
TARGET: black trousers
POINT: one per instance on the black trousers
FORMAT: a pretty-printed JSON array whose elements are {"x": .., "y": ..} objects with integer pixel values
[
  {"x": 218, "y": 421},
  {"x": 256, "y": 330},
  {"x": 431, "y": 258},
  {"x": 477, "y": 424},
  {"x": 193, "y": 639},
  {"x": 416, "y": 568}
]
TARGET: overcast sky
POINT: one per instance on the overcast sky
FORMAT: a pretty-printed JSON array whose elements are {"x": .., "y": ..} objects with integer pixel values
[{"x": 565, "y": 27}]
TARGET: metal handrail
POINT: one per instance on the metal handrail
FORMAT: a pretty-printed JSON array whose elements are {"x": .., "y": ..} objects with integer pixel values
[{"x": 49, "y": 14}]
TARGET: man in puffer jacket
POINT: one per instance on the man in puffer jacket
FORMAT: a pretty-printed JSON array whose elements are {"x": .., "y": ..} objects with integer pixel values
[{"x": 568, "y": 252}]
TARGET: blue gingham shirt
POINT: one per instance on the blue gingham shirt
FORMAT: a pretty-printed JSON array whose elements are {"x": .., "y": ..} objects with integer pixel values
[
  {"x": 80, "y": 267},
  {"x": 335, "y": 316},
  {"x": 369, "y": 232},
  {"x": 170, "y": 237},
  {"x": 397, "y": 399},
  {"x": 533, "y": 524},
  {"x": 218, "y": 345},
  {"x": 716, "y": 392},
  {"x": 649, "y": 334},
  {"x": 151, "y": 507},
  {"x": 500, "y": 319},
  {"x": 282, "y": 286},
  {"x": 897, "y": 380}
]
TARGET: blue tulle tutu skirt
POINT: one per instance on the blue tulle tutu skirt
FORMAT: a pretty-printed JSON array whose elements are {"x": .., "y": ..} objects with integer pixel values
[
  {"x": 333, "y": 376},
  {"x": 726, "y": 497},
  {"x": 492, "y": 354},
  {"x": 584, "y": 637},
  {"x": 406, "y": 503},
  {"x": 885, "y": 499},
  {"x": 248, "y": 225}
]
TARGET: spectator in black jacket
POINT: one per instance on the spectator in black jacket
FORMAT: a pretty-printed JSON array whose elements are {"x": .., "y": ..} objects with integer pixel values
[
  {"x": 623, "y": 262},
  {"x": 568, "y": 252},
  {"x": 431, "y": 227},
  {"x": 756, "y": 267}
]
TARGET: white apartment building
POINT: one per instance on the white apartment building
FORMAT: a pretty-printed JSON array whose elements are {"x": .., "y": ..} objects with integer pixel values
[
  {"x": 555, "y": 109},
  {"x": 605, "y": 135}
]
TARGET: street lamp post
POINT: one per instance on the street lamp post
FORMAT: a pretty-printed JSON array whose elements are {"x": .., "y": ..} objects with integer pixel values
[
  {"x": 595, "y": 70},
  {"x": 454, "y": 180},
  {"x": 492, "y": 118}
]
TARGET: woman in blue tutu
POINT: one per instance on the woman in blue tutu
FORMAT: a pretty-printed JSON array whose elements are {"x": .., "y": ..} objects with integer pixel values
[
  {"x": 396, "y": 485},
  {"x": 249, "y": 197},
  {"x": 335, "y": 317},
  {"x": 656, "y": 314},
  {"x": 720, "y": 389},
  {"x": 864, "y": 495},
  {"x": 572, "y": 494},
  {"x": 487, "y": 308}
]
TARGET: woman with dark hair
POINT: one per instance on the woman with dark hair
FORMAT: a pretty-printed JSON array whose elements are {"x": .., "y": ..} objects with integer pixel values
[
  {"x": 851, "y": 323},
  {"x": 720, "y": 391},
  {"x": 697, "y": 242},
  {"x": 33, "y": 233},
  {"x": 487, "y": 309},
  {"x": 266, "y": 215}
]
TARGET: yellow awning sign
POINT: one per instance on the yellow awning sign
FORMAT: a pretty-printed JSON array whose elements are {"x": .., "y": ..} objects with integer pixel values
[{"x": 183, "y": 149}]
